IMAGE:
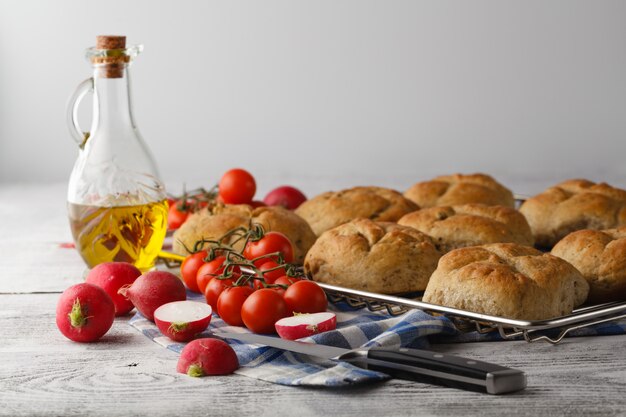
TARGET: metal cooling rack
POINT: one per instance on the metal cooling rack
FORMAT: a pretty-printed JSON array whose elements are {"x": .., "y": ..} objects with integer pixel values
[{"x": 529, "y": 330}]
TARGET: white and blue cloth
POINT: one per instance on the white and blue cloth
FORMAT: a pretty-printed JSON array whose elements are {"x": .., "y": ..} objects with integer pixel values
[{"x": 355, "y": 328}]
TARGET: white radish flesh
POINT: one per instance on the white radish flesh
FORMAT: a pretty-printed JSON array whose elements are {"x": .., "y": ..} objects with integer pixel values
[
  {"x": 305, "y": 325},
  {"x": 182, "y": 320}
]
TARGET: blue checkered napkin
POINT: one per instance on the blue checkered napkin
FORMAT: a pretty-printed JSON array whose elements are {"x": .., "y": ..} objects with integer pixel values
[{"x": 355, "y": 328}]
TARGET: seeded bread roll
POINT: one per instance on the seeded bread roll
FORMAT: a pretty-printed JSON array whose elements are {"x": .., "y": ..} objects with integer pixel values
[
  {"x": 333, "y": 208},
  {"x": 458, "y": 189},
  {"x": 470, "y": 225},
  {"x": 508, "y": 280},
  {"x": 216, "y": 222},
  {"x": 574, "y": 205},
  {"x": 600, "y": 256},
  {"x": 373, "y": 256}
]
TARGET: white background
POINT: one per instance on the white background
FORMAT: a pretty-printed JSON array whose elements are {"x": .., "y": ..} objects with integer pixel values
[{"x": 331, "y": 92}]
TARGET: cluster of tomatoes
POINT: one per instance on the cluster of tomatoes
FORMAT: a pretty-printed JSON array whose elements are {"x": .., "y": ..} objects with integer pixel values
[
  {"x": 237, "y": 186},
  {"x": 254, "y": 287}
]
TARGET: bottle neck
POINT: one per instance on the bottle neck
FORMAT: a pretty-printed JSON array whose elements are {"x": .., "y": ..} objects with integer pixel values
[{"x": 112, "y": 102}]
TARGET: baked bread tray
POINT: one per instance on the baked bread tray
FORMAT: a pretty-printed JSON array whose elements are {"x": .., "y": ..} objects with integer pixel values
[
  {"x": 465, "y": 321},
  {"x": 468, "y": 321}
]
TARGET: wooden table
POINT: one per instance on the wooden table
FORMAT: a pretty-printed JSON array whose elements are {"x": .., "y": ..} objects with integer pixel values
[{"x": 42, "y": 373}]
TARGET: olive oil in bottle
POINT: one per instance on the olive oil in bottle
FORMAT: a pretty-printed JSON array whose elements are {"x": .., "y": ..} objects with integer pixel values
[
  {"x": 131, "y": 234},
  {"x": 116, "y": 201}
]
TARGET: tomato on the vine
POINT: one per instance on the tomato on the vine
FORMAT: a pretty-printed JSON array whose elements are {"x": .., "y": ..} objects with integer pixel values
[
  {"x": 305, "y": 297},
  {"x": 176, "y": 216},
  {"x": 267, "y": 276},
  {"x": 262, "y": 309},
  {"x": 237, "y": 186},
  {"x": 229, "y": 304},
  {"x": 213, "y": 290},
  {"x": 212, "y": 269},
  {"x": 284, "y": 281},
  {"x": 271, "y": 242},
  {"x": 189, "y": 269},
  {"x": 271, "y": 276}
]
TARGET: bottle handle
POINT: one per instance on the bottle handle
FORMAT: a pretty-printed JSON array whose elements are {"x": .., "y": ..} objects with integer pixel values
[{"x": 77, "y": 133}]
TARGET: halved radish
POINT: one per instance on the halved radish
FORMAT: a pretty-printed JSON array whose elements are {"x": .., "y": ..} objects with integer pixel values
[
  {"x": 182, "y": 320},
  {"x": 305, "y": 325}
]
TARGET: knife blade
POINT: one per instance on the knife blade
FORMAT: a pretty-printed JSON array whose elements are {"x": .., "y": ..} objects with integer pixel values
[{"x": 411, "y": 364}]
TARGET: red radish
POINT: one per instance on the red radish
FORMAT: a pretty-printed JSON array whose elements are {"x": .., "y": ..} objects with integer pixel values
[
  {"x": 257, "y": 203},
  {"x": 305, "y": 325},
  {"x": 207, "y": 356},
  {"x": 182, "y": 320},
  {"x": 111, "y": 276},
  {"x": 85, "y": 312},
  {"x": 153, "y": 289},
  {"x": 286, "y": 196}
]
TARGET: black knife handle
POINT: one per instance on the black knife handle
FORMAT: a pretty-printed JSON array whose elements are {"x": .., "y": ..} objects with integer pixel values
[{"x": 440, "y": 368}]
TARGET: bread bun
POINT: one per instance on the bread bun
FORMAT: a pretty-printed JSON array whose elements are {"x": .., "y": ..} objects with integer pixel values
[
  {"x": 470, "y": 225},
  {"x": 216, "y": 222},
  {"x": 507, "y": 280},
  {"x": 457, "y": 189},
  {"x": 373, "y": 256},
  {"x": 333, "y": 208},
  {"x": 600, "y": 256},
  {"x": 574, "y": 205}
]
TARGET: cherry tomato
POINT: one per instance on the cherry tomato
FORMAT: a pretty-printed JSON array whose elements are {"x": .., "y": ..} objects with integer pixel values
[
  {"x": 270, "y": 243},
  {"x": 213, "y": 290},
  {"x": 237, "y": 186},
  {"x": 271, "y": 276},
  {"x": 262, "y": 309},
  {"x": 268, "y": 277},
  {"x": 189, "y": 269},
  {"x": 286, "y": 281},
  {"x": 305, "y": 297},
  {"x": 286, "y": 196},
  {"x": 212, "y": 269},
  {"x": 176, "y": 216},
  {"x": 229, "y": 304}
]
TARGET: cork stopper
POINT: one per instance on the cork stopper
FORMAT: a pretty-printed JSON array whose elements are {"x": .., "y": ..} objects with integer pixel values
[
  {"x": 113, "y": 63},
  {"x": 110, "y": 42}
]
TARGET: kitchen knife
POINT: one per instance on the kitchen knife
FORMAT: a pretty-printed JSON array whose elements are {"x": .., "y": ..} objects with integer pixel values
[{"x": 402, "y": 363}]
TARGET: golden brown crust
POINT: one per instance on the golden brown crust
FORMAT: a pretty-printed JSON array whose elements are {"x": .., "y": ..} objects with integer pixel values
[
  {"x": 508, "y": 280},
  {"x": 333, "y": 208},
  {"x": 373, "y": 256},
  {"x": 215, "y": 223},
  {"x": 600, "y": 256},
  {"x": 574, "y": 205},
  {"x": 458, "y": 189},
  {"x": 470, "y": 225}
]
